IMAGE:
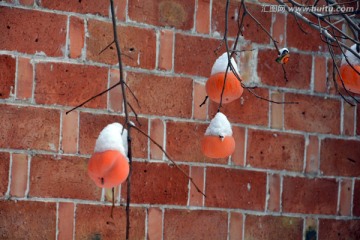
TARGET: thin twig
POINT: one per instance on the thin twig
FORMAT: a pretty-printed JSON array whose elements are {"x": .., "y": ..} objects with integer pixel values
[{"x": 204, "y": 101}]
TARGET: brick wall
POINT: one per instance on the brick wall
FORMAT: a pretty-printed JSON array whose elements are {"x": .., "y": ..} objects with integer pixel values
[{"x": 294, "y": 174}]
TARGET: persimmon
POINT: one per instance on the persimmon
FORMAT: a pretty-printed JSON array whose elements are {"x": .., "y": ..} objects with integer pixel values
[
  {"x": 108, "y": 169},
  {"x": 232, "y": 91},
  {"x": 217, "y": 147},
  {"x": 350, "y": 78}
]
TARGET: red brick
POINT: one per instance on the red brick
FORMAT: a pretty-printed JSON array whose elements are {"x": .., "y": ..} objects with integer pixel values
[
  {"x": 115, "y": 95},
  {"x": 200, "y": 50},
  {"x": 27, "y": 2},
  {"x": 277, "y": 111},
  {"x": 345, "y": 197},
  {"x": 157, "y": 134},
  {"x": 236, "y": 226},
  {"x": 274, "y": 192},
  {"x": 86, "y": 6},
  {"x": 340, "y": 157},
  {"x": 197, "y": 224},
  {"x": 349, "y": 119},
  {"x": 309, "y": 196},
  {"x": 138, "y": 44},
  {"x": 357, "y": 119},
  {"x": 120, "y": 9},
  {"x": 312, "y": 156},
  {"x": 250, "y": 29},
  {"x": 356, "y": 201},
  {"x": 7, "y": 74},
  {"x": 33, "y": 220},
  {"x": 70, "y": 84},
  {"x": 330, "y": 85},
  {"x": 25, "y": 78},
  {"x": 39, "y": 131},
  {"x": 166, "y": 50},
  {"x": 196, "y": 198},
  {"x": 320, "y": 74},
  {"x": 70, "y": 132},
  {"x": 61, "y": 178},
  {"x": 94, "y": 222},
  {"x": 331, "y": 229},
  {"x": 92, "y": 124},
  {"x": 273, "y": 227},
  {"x": 203, "y": 17},
  {"x": 183, "y": 142},
  {"x": 254, "y": 116},
  {"x": 153, "y": 93},
  {"x": 199, "y": 96},
  {"x": 77, "y": 35},
  {"x": 237, "y": 157},
  {"x": 312, "y": 114},
  {"x": 66, "y": 220},
  {"x": 296, "y": 38},
  {"x": 29, "y": 32},
  {"x": 274, "y": 150},
  {"x": 4, "y": 172},
  {"x": 155, "y": 231},
  {"x": 278, "y": 28},
  {"x": 176, "y": 13},
  {"x": 234, "y": 188},
  {"x": 271, "y": 72},
  {"x": 150, "y": 187},
  {"x": 19, "y": 175}
]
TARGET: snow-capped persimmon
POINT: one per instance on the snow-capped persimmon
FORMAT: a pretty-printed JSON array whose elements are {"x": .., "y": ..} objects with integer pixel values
[
  {"x": 232, "y": 90},
  {"x": 217, "y": 147},
  {"x": 108, "y": 169}
]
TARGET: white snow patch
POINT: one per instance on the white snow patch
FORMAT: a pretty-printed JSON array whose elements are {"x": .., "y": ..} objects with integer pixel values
[
  {"x": 110, "y": 138},
  {"x": 221, "y": 63},
  {"x": 351, "y": 57},
  {"x": 219, "y": 126}
]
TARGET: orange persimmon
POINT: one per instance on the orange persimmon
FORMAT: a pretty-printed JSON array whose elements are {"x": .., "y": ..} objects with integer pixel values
[
  {"x": 108, "y": 169},
  {"x": 232, "y": 91},
  {"x": 350, "y": 78},
  {"x": 216, "y": 147}
]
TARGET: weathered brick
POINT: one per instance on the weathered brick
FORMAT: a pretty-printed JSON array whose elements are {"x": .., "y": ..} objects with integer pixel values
[
  {"x": 273, "y": 227},
  {"x": 236, "y": 226},
  {"x": 278, "y": 28},
  {"x": 25, "y": 79},
  {"x": 296, "y": 38},
  {"x": 311, "y": 228},
  {"x": 311, "y": 196},
  {"x": 156, "y": 133},
  {"x": 92, "y": 124},
  {"x": 61, "y": 178},
  {"x": 251, "y": 30},
  {"x": 235, "y": 111},
  {"x": 166, "y": 50},
  {"x": 157, "y": 95},
  {"x": 195, "y": 55},
  {"x": 271, "y": 72},
  {"x": 312, "y": 156},
  {"x": 203, "y": 16},
  {"x": 86, "y": 6},
  {"x": 237, "y": 158},
  {"x": 76, "y": 35},
  {"x": 277, "y": 111},
  {"x": 331, "y": 229},
  {"x": 138, "y": 44},
  {"x": 349, "y": 119},
  {"x": 150, "y": 187},
  {"x": 234, "y": 188},
  {"x": 27, "y": 2},
  {"x": 19, "y": 175},
  {"x": 7, "y": 75},
  {"x": 183, "y": 142},
  {"x": 176, "y": 13},
  {"x": 155, "y": 224},
  {"x": 197, "y": 224},
  {"x": 274, "y": 150},
  {"x": 345, "y": 197},
  {"x": 70, "y": 84},
  {"x": 115, "y": 95},
  {"x": 340, "y": 157},
  {"x": 4, "y": 172},
  {"x": 356, "y": 201},
  {"x": 70, "y": 132},
  {"x": 196, "y": 198},
  {"x": 358, "y": 119},
  {"x": 33, "y": 220},
  {"x": 312, "y": 114},
  {"x": 320, "y": 74},
  {"x": 199, "y": 96},
  {"x": 274, "y": 192},
  {"x": 32, "y": 31},
  {"x": 66, "y": 220},
  {"x": 29, "y": 127},
  {"x": 94, "y": 222}
]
